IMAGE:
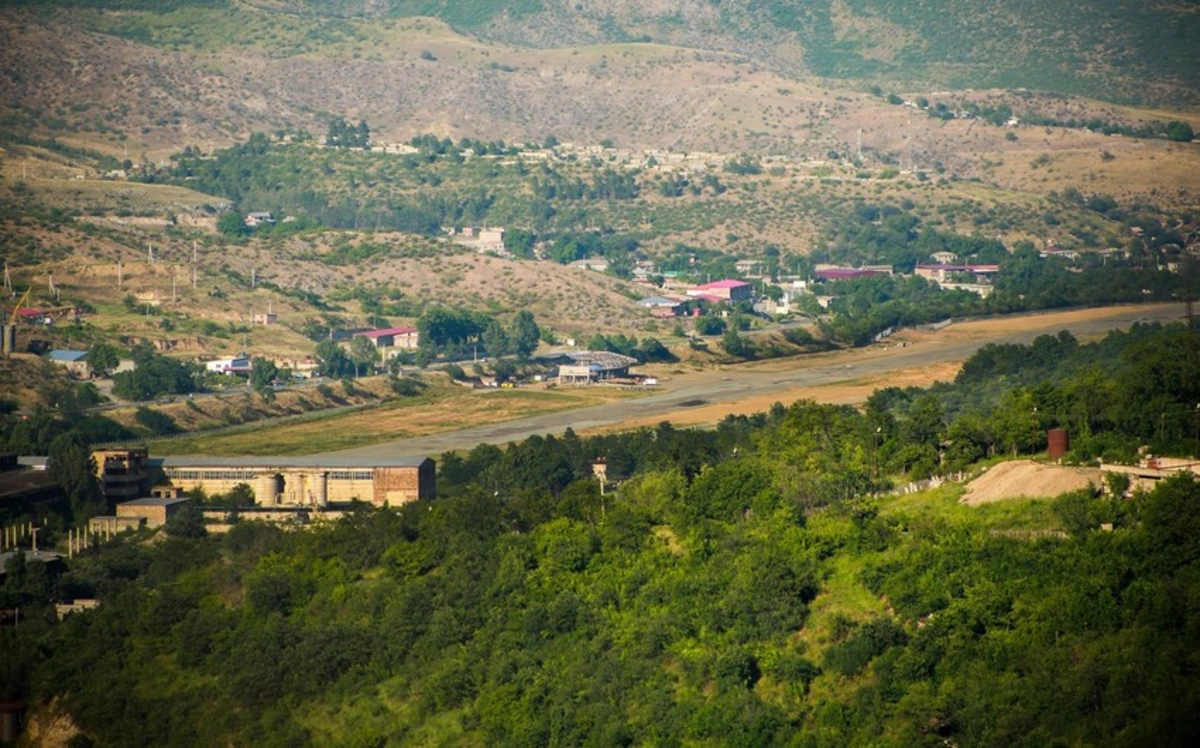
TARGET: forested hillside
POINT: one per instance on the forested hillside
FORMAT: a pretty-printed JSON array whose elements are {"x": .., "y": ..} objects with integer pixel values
[{"x": 751, "y": 585}]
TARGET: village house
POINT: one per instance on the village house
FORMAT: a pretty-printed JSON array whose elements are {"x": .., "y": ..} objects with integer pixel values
[
  {"x": 75, "y": 362},
  {"x": 397, "y": 338},
  {"x": 941, "y": 274},
  {"x": 259, "y": 218},
  {"x": 750, "y": 268},
  {"x": 30, "y": 316},
  {"x": 485, "y": 239},
  {"x": 235, "y": 365},
  {"x": 833, "y": 273},
  {"x": 943, "y": 258},
  {"x": 728, "y": 290},
  {"x": 663, "y": 306},
  {"x": 595, "y": 264}
]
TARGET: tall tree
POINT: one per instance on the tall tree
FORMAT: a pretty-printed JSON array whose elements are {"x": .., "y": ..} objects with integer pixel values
[
  {"x": 495, "y": 340},
  {"x": 524, "y": 333},
  {"x": 72, "y": 466},
  {"x": 262, "y": 372},
  {"x": 103, "y": 358},
  {"x": 363, "y": 354},
  {"x": 332, "y": 360}
]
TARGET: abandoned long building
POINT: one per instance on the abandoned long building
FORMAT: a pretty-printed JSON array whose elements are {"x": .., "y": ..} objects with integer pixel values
[{"x": 305, "y": 481}]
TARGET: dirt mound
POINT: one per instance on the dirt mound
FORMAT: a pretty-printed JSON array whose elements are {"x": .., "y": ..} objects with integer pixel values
[{"x": 1010, "y": 480}]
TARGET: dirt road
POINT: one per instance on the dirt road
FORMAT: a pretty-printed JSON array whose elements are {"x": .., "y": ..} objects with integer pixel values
[{"x": 843, "y": 376}]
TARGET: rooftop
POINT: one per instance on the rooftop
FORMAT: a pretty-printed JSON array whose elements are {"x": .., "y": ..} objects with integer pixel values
[
  {"x": 605, "y": 360},
  {"x": 385, "y": 332},
  {"x": 17, "y": 483},
  {"x": 962, "y": 268},
  {"x": 659, "y": 301},
  {"x": 727, "y": 283},
  {"x": 155, "y": 501},
  {"x": 298, "y": 461},
  {"x": 67, "y": 356},
  {"x": 841, "y": 273}
]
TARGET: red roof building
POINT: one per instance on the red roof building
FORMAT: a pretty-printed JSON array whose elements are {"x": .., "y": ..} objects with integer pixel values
[{"x": 392, "y": 337}]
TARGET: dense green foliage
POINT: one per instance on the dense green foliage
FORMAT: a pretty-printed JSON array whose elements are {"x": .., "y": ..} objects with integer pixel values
[
  {"x": 153, "y": 375},
  {"x": 888, "y": 235},
  {"x": 735, "y": 586}
]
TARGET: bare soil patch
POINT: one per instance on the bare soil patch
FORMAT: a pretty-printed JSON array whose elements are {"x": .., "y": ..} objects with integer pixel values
[
  {"x": 1025, "y": 478},
  {"x": 698, "y": 413}
]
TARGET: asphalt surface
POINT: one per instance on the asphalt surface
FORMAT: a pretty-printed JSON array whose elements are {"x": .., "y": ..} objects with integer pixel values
[{"x": 737, "y": 383}]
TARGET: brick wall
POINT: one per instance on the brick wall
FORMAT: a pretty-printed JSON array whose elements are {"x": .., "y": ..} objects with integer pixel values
[{"x": 400, "y": 485}]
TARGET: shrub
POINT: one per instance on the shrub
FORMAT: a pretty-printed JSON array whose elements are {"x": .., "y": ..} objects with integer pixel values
[{"x": 157, "y": 422}]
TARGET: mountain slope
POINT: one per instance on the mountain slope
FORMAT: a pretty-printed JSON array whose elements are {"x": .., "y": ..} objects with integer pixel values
[{"x": 1123, "y": 50}]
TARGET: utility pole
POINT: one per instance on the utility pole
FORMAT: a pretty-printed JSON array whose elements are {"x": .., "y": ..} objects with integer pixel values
[
  {"x": 875, "y": 455},
  {"x": 1196, "y": 432}
]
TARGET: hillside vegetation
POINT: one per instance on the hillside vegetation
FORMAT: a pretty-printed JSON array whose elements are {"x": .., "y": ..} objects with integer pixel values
[
  {"x": 753, "y": 584},
  {"x": 1113, "y": 49}
]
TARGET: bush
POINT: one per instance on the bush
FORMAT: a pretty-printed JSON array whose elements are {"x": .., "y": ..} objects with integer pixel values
[
  {"x": 407, "y": 386},
  {"x": 156, "y": 421},
  {"x": 188, "y": 522},
  {"x": 710, "y": 325}
]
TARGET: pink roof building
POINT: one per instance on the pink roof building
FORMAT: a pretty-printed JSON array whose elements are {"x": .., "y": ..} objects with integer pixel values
[
  {"x": 392, "y": 337},
  {"x": 726, "y": 290}
]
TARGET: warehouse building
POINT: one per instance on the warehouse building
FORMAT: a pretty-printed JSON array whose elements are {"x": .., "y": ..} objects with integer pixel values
[{"x": 316, "y": 481}]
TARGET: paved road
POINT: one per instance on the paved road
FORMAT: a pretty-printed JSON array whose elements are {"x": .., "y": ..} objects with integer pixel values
[{"x": 738, "y": 383}]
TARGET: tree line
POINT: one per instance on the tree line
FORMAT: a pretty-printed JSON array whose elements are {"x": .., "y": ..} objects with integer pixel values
[{"x": 745, "y": 584}]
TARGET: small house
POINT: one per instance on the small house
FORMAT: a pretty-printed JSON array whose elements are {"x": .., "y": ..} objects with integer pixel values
[
  {"x": 729, "y": 290},
  {"x": 402, "y": 338},
  {"x": 74, "y": 362},
  {"x": 235, "y": 365}
]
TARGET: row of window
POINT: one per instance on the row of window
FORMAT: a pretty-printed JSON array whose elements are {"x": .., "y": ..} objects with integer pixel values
[
  {"x": 238, "y": 474},
  {"x": 351, "y": 475}
]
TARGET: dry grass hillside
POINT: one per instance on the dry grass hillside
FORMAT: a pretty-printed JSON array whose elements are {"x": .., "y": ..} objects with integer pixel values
[
  {"x": 145, "y": 85},
  {"x": 142, "y": 85},
  {"x": 106, "y": 266}
]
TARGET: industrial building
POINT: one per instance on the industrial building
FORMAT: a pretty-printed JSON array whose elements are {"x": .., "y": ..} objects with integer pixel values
[
  {"x": 155, "y": 511},
  {"x": 315, "y": 480},
  {"x": 123, "y": 472},
  {"x": 591, "y": 366}
]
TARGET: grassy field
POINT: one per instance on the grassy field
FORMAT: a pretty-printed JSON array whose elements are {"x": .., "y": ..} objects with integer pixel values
[{"x": 450, "y": 410}]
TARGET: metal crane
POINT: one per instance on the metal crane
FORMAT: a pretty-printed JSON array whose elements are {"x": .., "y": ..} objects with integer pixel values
[{"x": 8, "y": 327}]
